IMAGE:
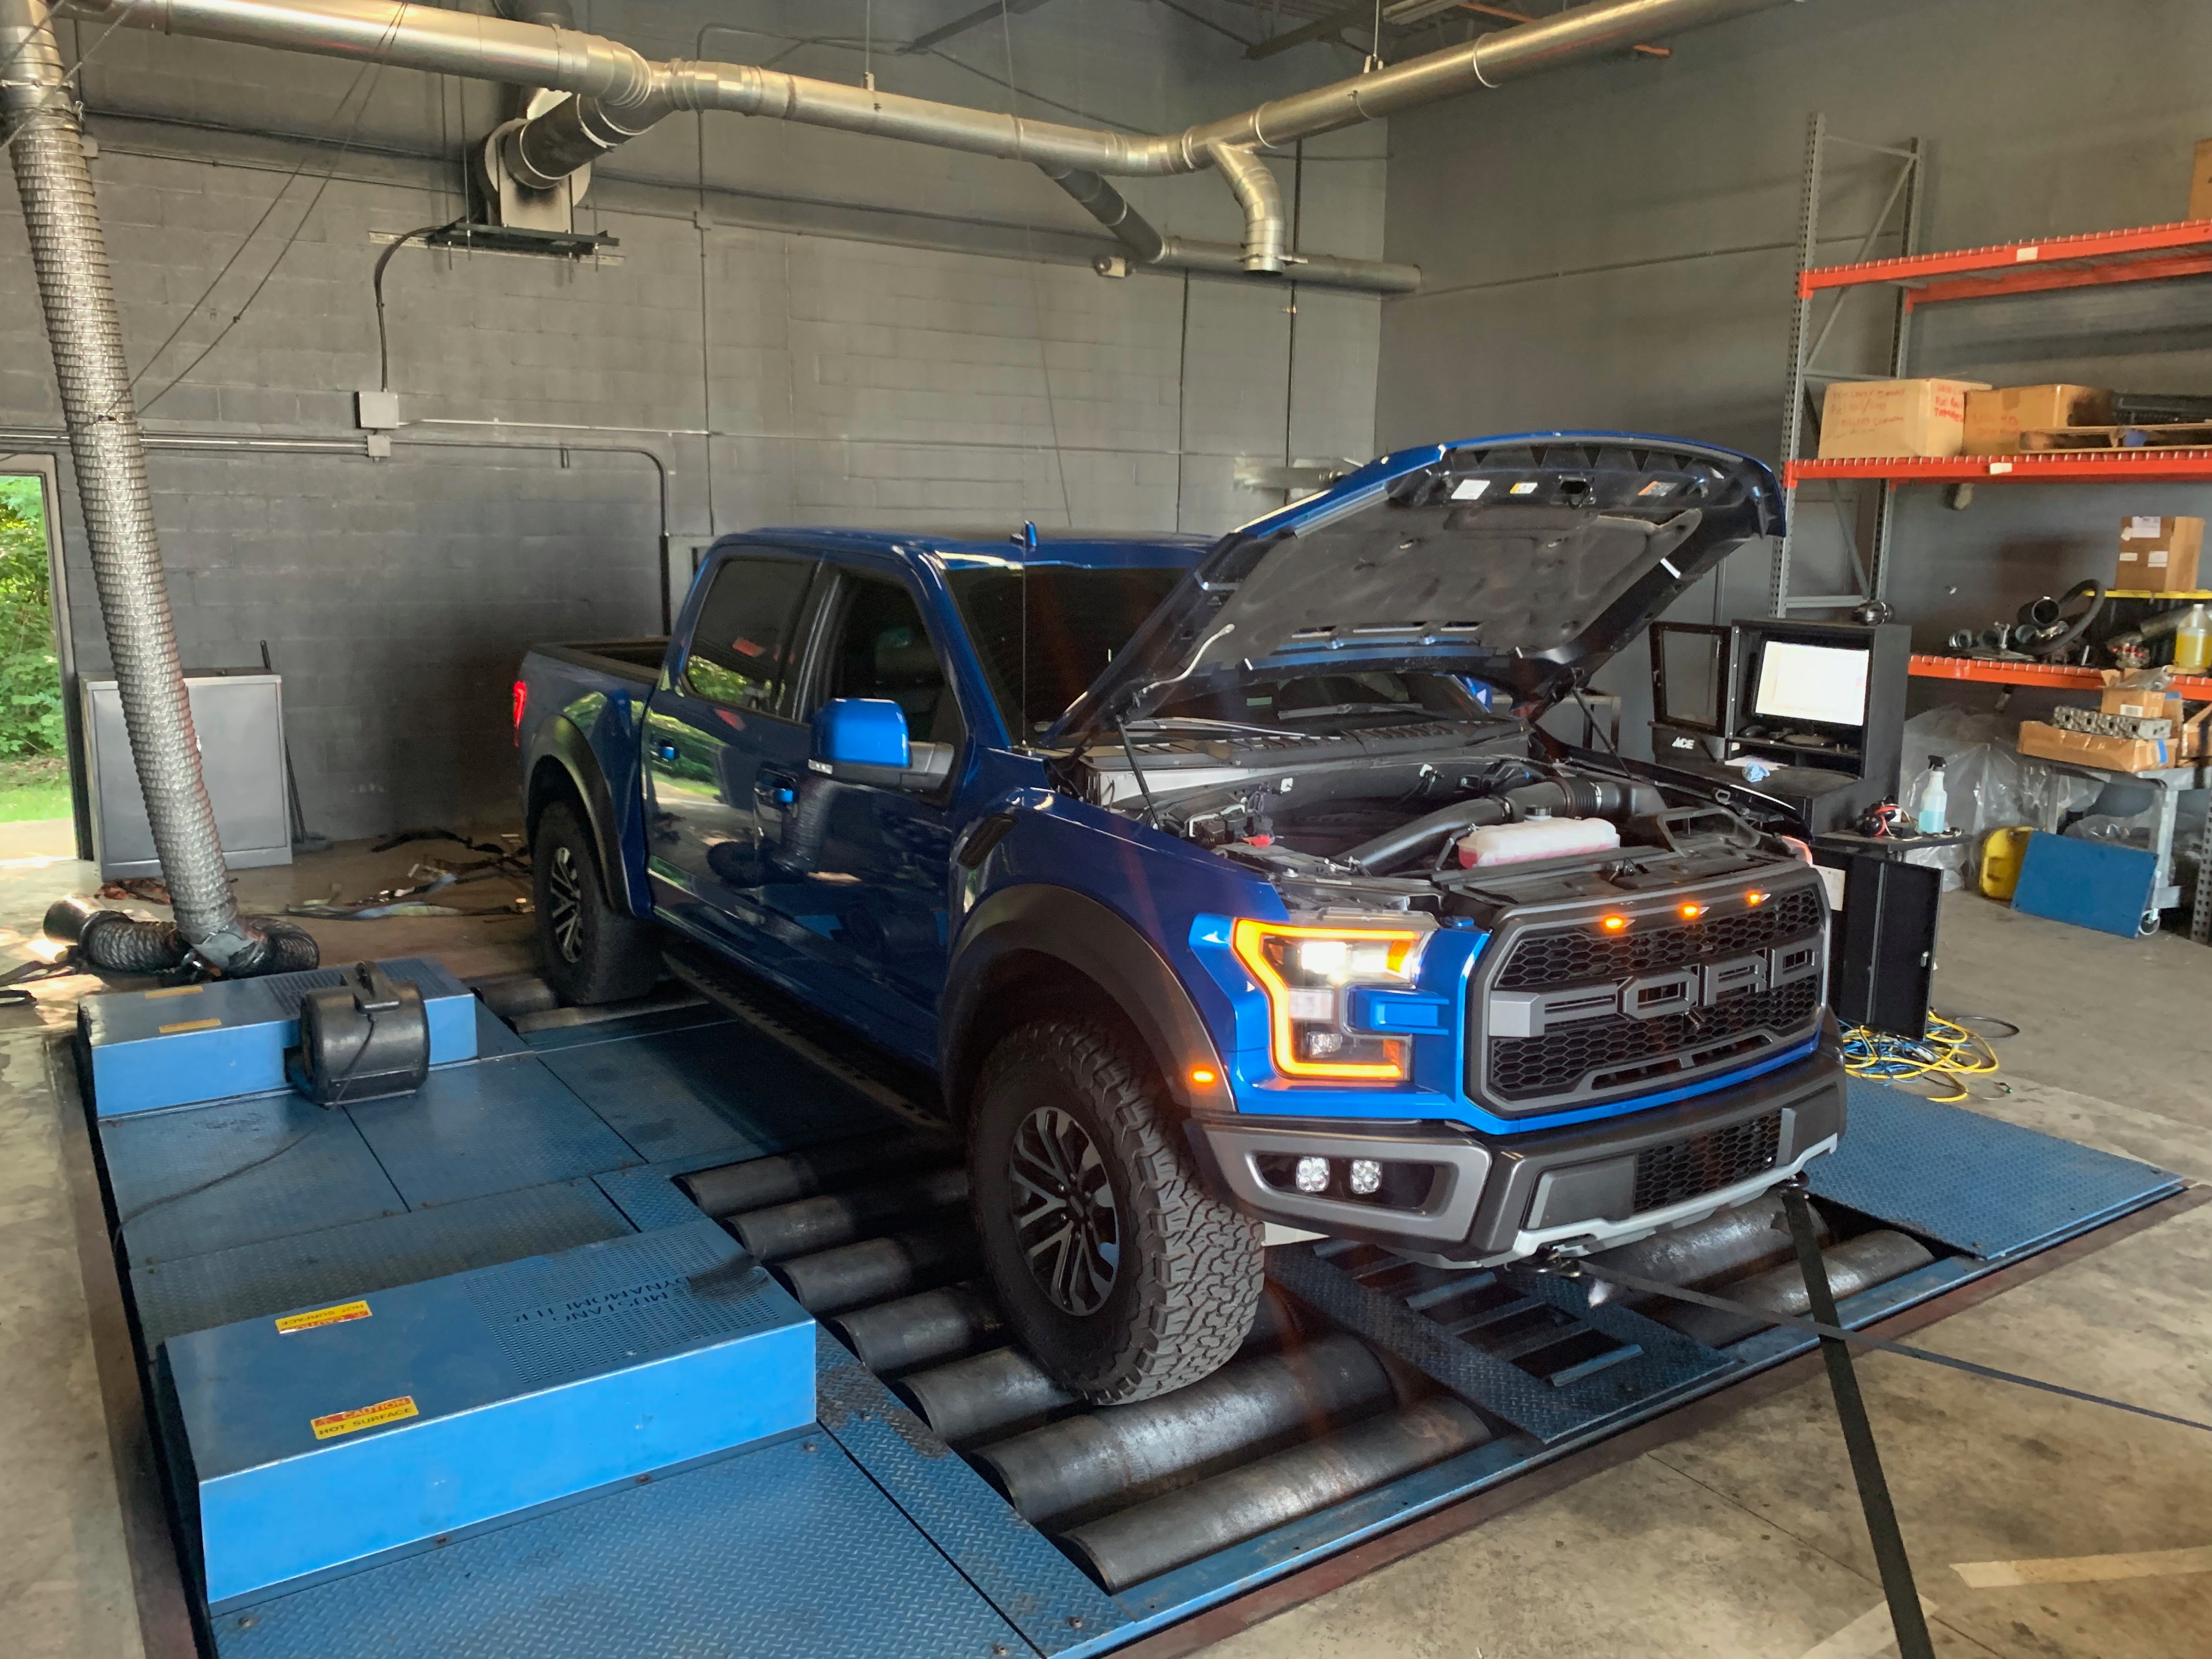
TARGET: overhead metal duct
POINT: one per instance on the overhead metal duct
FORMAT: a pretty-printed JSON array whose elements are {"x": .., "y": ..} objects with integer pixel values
[
  {"x": 620, "y": 94},
  {"x": 39, "y": 118}
]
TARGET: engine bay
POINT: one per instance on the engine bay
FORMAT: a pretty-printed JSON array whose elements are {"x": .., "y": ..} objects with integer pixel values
[{"x": 1445, "y": 818}]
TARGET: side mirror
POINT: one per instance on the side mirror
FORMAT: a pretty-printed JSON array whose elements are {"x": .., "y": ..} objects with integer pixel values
[
  {"x": 864, "y": 740},
  {"x": 860, "y": 731}
]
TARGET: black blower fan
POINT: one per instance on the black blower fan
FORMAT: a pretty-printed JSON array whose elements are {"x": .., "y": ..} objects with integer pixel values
[{"x": 366, "y": 1039}]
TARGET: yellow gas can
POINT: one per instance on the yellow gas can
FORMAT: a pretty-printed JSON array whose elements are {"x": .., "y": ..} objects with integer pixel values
[{"x": 2002, "y": 852}]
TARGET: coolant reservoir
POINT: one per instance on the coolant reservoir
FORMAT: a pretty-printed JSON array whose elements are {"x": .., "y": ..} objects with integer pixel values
[{"x": 1536, "y": 838}]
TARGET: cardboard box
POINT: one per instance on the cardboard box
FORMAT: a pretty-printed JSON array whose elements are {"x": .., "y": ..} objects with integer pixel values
[
  {"x": 1996, "y": 418},
  {"x": 2159, "y": 556},
  {"x": 1895, "y": 418},
  {"x": 2136, "y": 705},
  {"x": 2048, "y": 742},
  {"x": 2200, "y": 182}
]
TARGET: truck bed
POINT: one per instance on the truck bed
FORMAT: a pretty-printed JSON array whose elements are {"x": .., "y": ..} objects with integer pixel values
[{"x": 637, "y": 659}]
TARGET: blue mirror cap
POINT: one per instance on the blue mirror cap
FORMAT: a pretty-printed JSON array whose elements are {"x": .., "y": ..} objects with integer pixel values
[{"x": 861, "y": 731}]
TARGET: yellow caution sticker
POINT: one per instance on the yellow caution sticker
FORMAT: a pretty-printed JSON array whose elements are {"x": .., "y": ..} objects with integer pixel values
[
  {"x": 343, "y": 1314},
  {"x": 188, "y": 1025},
  {"x": 176, "y": 991},
  {"x": 364, "y": 1417}
]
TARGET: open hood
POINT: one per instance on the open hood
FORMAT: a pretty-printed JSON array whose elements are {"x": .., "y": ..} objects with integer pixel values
[{"x": 1523, "y": 561}]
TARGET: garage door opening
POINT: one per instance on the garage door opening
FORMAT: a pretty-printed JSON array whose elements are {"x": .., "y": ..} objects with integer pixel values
[{"x": 37, "y": 819}]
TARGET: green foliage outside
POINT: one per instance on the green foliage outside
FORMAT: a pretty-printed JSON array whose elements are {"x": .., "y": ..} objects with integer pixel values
[{"x": 30, "y": 677}]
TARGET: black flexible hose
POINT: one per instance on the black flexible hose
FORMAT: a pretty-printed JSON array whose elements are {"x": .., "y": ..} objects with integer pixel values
[{"x": 124, "y": 945}]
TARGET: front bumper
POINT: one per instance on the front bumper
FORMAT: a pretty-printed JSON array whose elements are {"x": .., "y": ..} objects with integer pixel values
[{"x": 1498, "y": 1198}]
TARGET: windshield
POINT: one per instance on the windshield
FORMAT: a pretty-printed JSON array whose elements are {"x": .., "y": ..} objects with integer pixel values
[
  {"x": 1041, "y": 656},
  {"x": 1322, "y": 704}
]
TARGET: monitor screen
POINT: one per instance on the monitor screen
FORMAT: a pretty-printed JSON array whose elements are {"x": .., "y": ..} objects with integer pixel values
[
  {"x": 1823, "y": 683},
  {"x": 1690, "y": 671}
]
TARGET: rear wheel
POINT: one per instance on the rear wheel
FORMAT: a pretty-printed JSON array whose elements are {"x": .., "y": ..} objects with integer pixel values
[
  {"x": 592, "y": 951},
  {"x": 1119, "y": 1272}
]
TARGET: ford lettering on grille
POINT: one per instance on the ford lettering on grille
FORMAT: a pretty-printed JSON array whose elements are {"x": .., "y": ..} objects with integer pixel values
[{"x": 1681, "y": 999}]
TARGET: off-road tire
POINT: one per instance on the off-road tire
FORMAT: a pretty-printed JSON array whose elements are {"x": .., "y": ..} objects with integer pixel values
[
  {"x": 1187, "y": 1285},
  {"x": 592, "y": 952}
]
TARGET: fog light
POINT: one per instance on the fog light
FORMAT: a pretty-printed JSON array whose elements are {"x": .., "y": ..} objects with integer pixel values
[
  {"x": 1312, "y": 1175},
  {"x": 1366, "y": 1175}
]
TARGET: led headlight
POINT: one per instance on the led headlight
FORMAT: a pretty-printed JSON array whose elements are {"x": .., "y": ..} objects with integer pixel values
[{"x": 1306, "y": 971}]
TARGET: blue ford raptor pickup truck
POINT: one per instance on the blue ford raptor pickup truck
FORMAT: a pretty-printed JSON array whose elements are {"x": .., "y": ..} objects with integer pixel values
[{"x": 1227, "y": 886}]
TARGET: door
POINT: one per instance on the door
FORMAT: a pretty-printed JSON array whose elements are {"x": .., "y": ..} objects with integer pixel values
[
  {"x": 712, "y": 736},
  {"x": 862, "y": 869}
]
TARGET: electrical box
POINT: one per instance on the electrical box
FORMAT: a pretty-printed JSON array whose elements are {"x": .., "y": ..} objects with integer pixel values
[
  {"x": 240, "y": 719},
  {"x": 376, "y": 412}
]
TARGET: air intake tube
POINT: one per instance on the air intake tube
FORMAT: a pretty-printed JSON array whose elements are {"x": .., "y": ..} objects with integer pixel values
[{"x": 1589, "y": 798}]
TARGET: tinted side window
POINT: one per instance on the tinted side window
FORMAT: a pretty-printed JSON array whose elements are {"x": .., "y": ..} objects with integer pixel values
[
  {"x": 747, "y": 632},
  {"x": 881, "y": 649}
]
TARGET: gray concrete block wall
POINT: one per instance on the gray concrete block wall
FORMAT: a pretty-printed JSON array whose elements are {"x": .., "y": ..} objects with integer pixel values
[
  {"x": 1615, "y": 247},
  {"x": 985, "y": 377}
]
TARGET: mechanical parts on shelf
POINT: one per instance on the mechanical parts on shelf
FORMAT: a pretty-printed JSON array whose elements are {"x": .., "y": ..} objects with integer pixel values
[
  {"x": 2096, "y": 722},
  {"x": 2046, "y": 628}
]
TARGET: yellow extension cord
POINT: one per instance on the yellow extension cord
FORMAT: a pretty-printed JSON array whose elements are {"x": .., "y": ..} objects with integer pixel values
[{"x": 1948, "y": 1054}]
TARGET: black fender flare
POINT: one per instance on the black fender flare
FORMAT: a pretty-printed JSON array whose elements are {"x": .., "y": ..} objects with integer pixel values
[
  {"x": 1036, "y": 932},
  {"x": 560, "y": 743}
]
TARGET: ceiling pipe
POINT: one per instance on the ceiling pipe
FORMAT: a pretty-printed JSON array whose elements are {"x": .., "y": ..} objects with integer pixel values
[
  {"x": 620, "y": 94},
  {"x": 1147, "y": 247},
  {"x": 1253, "y": 185}
]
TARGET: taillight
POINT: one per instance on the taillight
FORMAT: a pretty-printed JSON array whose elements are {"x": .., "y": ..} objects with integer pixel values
[{"x": 521, "y": 702}]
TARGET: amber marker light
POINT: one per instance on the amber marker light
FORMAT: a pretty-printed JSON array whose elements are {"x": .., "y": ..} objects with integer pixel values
[
  {"x": 1204, "y": 1077},
  {"x": 1691, "y": 912},
  {"x": 1754, "y": 900},
  {"x": 1614, "y": 924}
]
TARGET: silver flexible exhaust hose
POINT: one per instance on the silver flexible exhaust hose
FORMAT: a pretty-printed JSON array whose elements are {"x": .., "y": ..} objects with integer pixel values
[{"x": 75, "y": 286}]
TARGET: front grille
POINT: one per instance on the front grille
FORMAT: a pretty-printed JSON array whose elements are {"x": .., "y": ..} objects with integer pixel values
[
  {"x": 1574, "y": 955},
  {"x": 1705, "y": 1163},
  {"x": 1620, "y": 1050}
]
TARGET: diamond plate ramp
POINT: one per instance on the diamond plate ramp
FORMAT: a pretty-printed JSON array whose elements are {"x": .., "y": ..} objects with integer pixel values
[
  {"x": 648, "y": 1198},
  {"x": 199, "y": 1292},
  {"x": 788, "y": 1551},
  {"x": 723, "y": 1093},
  {"x": 204, "y": 1178},
  {"x": 1977, "y": 1183},
  {"x": 1029, "y": 1581},
  {"x": 470, "y": 1130}
]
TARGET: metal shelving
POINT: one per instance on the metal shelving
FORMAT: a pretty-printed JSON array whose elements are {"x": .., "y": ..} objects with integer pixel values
[{"x": 2143, "y": 254}]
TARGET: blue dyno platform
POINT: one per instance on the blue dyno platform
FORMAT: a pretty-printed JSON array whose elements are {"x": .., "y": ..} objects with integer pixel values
[
  {"x": 408, "y": 1414},
  {"x": 189, "y": 1043},
  {"x": 538, "y": 1176}
]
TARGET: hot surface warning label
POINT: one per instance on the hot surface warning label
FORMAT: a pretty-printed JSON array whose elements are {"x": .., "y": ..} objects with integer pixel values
[
  {"x": 364, "y": 1417},
  {"x": 344, "y": 1312}
]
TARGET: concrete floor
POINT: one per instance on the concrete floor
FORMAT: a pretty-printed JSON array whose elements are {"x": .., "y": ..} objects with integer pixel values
[{"x": 1741, "y": 1541}]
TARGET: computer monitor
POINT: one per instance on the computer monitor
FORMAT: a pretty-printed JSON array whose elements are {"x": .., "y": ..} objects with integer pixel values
[
  {"x": 1692, "y": 669},
  {"x": 1818, "y": 685}
]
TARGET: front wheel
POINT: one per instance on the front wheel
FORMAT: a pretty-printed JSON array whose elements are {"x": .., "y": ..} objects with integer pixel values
[
  {"x": 592, "y": 951},
  {"x": 1119, "y": 1272}
]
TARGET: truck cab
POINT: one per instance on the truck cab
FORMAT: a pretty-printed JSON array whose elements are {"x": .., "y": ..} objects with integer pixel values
[{"x": 1227, "y": 886}]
